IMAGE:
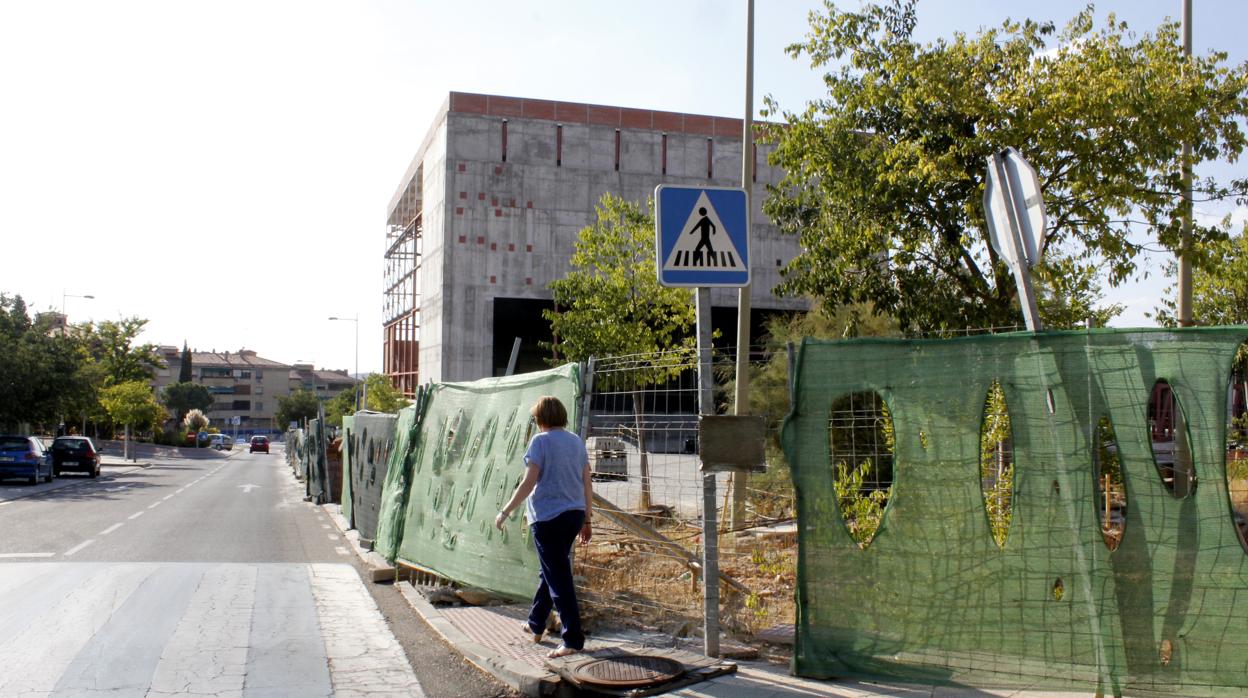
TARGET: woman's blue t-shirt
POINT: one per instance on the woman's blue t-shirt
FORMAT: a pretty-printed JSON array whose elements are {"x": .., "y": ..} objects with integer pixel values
[{"x": 561, "y": 457}]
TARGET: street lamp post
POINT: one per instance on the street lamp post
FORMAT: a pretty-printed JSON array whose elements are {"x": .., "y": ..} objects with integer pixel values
[
  {"x": 364, "y": 390},
  {"x": 65, "y": 295}
]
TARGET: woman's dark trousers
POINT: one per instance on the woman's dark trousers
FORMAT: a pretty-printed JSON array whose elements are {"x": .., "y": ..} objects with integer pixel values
[{"x": 554, "y": 539}]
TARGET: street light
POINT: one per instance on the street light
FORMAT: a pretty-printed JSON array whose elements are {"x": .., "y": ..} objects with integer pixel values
[
  {"x": 65, "y": 295},
  {"x": 356, "y": 320}
]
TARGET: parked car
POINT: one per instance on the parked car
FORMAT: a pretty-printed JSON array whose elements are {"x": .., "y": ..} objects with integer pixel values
[
  {"x": 24, "y": 456},
  {"x": 259, "y": 443},
  {"x": 222, "y": 442},
  {"x": 76, "y": 453}
]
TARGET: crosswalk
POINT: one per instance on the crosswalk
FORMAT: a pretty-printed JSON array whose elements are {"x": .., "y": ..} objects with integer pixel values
[{"x": 176, "y": 629}]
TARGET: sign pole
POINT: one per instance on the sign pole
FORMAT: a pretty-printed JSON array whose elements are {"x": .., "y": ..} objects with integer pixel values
[
  {"x": 710, "y": 532},
  {"x": 1017, "y": 257},
  {"x": 741, "y": 402}
]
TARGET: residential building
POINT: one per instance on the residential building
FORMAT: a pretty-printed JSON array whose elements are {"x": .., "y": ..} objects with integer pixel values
[
  {"x": 488, "y": 212},
  {"x": 246, "y": 385}
]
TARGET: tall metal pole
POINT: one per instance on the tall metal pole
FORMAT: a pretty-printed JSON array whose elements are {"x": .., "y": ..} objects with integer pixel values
[
  {"x": 741, "y": 402},
  {"x": 1185, "y": 237},
  {"x": 710, "y": 526}
]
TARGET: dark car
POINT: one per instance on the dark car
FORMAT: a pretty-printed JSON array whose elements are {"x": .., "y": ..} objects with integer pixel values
[
  {"x": 77, "y": 454},
  {"x": 24, "y": 456},
  {"x": 259, "y": 443}
]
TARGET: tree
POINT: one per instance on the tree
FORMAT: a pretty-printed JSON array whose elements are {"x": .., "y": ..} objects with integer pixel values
[
  {"x": 611, "y": 305},
  {"x": 298, "y": 406},
  {"x": 1219, "y": 288},
  {"x": 133, "y": 404},
  {"x": 112, "y": 345},
  {"x": 382, "y": 397},
  {"x": 183, "y": 397},
  {"x": 885, "y": 176},
  {"x": 185, "y": 372},
  {"x": 41, "y": 370}
]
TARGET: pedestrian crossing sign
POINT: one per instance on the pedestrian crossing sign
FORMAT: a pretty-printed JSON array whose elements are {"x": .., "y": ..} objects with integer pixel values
[{"x": 702, "y": 236}]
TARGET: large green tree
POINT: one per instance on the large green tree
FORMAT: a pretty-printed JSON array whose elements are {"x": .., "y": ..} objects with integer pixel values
[
  {"x": 133, "y": 404},
  {"x": 382, "y": 397},
  {"x": 610, "y": 305},
  {"x": 296, "y": 407},
  {"x": 112, "y": 345},
  {"x": 184, "y": 397},
  {"x": 1219, "y": 288},
  {"x": 885, "y": 175},
  {"x": 186, "y": 371}
]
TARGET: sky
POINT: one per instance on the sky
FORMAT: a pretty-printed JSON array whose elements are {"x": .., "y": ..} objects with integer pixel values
[{"x": 223, "y": 168}]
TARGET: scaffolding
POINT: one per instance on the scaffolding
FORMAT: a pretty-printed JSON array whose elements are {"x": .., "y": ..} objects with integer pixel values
[{"x": 401, "y": 302}]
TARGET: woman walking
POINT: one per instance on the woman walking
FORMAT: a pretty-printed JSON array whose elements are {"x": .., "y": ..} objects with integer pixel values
[{"x": 557, "y": 475}]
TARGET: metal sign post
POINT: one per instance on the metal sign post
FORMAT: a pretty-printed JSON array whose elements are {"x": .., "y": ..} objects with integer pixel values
[
  {"x": 1014, "y": 210},
  {"x": 702, "y": 240}
]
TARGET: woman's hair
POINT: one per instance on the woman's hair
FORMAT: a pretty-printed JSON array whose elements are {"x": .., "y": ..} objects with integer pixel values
[{"x": 549, "y": 412}]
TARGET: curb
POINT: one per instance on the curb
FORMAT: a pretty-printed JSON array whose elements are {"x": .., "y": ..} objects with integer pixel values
[{"x": 513, "y": 673}]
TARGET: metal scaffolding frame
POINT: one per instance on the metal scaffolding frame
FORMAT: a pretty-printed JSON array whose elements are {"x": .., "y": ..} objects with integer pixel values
[{"x": 401, "y": 301}]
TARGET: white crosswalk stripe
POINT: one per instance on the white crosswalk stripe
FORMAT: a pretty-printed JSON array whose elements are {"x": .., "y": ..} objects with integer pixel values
[{"x": 194, "y": 629}]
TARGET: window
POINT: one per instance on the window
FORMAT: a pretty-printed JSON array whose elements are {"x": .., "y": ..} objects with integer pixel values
[{"x": 259, "y": 406}]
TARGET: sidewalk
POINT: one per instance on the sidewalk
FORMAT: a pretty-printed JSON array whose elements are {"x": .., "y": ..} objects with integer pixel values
[{"x": 492, "y": 639}]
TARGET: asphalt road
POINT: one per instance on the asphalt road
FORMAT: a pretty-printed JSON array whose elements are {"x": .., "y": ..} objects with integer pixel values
[{"x": 206, "y": 575}]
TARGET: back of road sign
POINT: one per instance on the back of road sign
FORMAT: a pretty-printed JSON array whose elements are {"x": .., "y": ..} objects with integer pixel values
[{"x": 702, "y": 236}]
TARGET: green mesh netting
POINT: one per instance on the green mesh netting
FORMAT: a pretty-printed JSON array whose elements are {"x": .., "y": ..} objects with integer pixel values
[
  {"x": 370, "y": 439},
  {"x": 457, "y": 458},
  {"x": 933, "y": 598},
  {"x": 317, "y": 482},
  {"x": 349, "y": 446}
]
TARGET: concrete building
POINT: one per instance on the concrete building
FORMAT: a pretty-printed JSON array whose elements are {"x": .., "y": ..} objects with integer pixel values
[
  {"x": 248, "y": 386},
  {"x": 487, "y": 214}
]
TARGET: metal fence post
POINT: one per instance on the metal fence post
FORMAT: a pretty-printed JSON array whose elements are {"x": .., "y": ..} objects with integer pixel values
[{"x": 710, "y": 532}]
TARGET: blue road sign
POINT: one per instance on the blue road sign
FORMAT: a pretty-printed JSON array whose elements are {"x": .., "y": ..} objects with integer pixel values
[{"x": 702, "y": 236}]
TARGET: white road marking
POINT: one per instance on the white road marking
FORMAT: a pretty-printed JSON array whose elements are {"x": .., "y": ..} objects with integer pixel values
[
  {"x": 46, "y": 648},
  {"x": 208, "y": 652},
  {"x": 363, "y": 655},
  {"x": 155, "y": 504},
  {"x": 4, "y": 503},
  {"x": 167, "y": 497},
  {"x": 340, "y": 550},
  {"x": 325, "y": 526},
  {"x": 78, "y": 547},
  {"x": 112, "y": 528},
  {"x": 248, "y": 488},
  {"x": 332, "y": 537},
  {"x": 20, "y": 555},
  {"x": 135, "y": 515},
  {"x": 115, "y": 489}
]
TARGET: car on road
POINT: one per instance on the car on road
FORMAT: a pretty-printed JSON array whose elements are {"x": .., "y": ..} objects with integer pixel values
[
  {"x": 222, "y": 442},
  {"x": 259, "y": 443},
  {"x": 76, "y": 453},
  {"x": 24, "y": 456}
]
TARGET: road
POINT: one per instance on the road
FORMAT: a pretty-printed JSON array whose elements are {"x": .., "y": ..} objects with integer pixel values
[{"x": 203, "y": 576}]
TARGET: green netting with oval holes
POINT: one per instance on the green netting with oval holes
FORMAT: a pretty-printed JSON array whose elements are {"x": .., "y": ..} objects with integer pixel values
[
  {"x": 458, "y": 455},
  {"x": 933, "y": 598},
  {"x": 368, "y": 438}
]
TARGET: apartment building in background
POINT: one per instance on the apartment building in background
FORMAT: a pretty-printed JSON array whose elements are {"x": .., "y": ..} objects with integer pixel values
[
  {"x": 248, "y": 386},
  {"x": 488, "y": 212}
]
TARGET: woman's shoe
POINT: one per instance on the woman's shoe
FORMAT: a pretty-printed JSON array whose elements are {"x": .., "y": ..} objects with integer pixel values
[
  {"x": 561, "y": 651},
  {"x": 537, "y": 637}
]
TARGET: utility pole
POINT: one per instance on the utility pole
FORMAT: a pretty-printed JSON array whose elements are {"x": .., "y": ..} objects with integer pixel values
[
  {"x": 741, "y": 402},
  {"x": 1185, "y": 237}
]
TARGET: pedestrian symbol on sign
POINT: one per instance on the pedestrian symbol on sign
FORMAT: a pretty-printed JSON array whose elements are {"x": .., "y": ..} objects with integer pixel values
[{"x": 702, "y": 236}]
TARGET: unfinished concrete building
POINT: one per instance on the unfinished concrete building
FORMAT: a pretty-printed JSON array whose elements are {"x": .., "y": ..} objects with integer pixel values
[{"x": 487, "y": 214}]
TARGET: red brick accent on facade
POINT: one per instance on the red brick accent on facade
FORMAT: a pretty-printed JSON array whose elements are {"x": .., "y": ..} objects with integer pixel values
[{"x": 598, "y": 114}]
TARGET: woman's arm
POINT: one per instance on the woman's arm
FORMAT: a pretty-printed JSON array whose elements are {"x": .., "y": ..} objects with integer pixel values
[{"x": 531, "y": 473}]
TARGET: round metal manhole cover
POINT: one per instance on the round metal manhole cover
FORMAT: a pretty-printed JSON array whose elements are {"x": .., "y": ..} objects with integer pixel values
[{"x": 629, "y": 671}]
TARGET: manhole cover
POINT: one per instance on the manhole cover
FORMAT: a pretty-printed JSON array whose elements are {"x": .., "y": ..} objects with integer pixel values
[{"x": 629, "y": 671}]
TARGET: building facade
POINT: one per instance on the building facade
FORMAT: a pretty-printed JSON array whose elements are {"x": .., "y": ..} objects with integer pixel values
[
  {"x": 247, "y": 386},
  {"x": 488, "y": 212}
]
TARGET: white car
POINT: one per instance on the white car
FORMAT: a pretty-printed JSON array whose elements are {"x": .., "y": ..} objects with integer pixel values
[{"x": 221, "y": 442}]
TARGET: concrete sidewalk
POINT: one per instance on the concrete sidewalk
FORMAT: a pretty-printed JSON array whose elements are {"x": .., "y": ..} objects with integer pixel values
[{"x": 492, "y": 639}]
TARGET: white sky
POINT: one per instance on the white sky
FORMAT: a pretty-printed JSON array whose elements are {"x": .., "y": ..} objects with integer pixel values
[{"x": 223, "y": 168}]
